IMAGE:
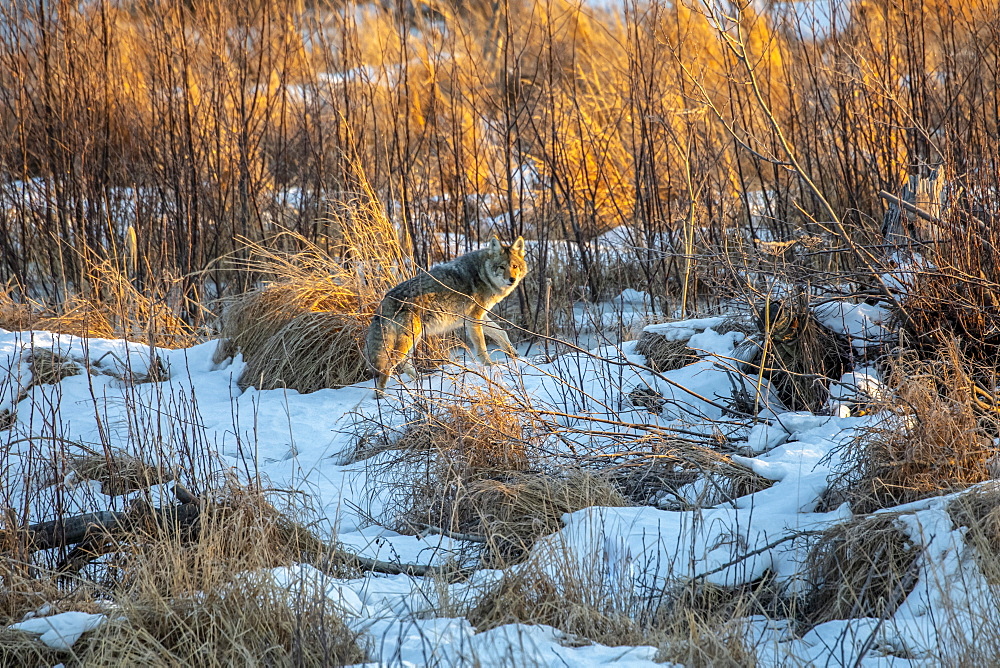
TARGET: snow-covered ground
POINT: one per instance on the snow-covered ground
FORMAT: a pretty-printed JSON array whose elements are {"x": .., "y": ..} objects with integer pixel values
[{"x": 199, "y": 418}]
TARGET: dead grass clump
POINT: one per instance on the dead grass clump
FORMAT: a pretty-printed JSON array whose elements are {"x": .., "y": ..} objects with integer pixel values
[
  {"x": 979, "y": 512},
  {"x": 663, "y": 354},
  {"x": 196, "y": 597},
  {"x": 7, "y": 419},
  {"x": 251, "y": 319},
  {"x": 187, "y": 594},
  {"x": 26, "y": 589},
  {"x": 861, "y": 568},
  {"x": 932, "y": 441},
  {"x": 699, "y": 624},
  {"x": 696, "y": 624},
  {"x": 737, "y": 323},
  {"x": 300, "y": 277},
  {"x": 955, "y": 306},
  {"x": 313, "y": 351},
  {"x": 481, "y": 435},
  {"x": 15, "y": 316},
  {"x": 647, "y": 398},
  {"x": 563, "y": 596},
  {"x": 18, "y": 648},
  {"x": 474, "y": 467},
  {"x": 50, "y": 367},
  {"x": 118, "y": 472},
  {"x": 682, "y": 476},
  {"x": 247, "y": 621},
  {"x": 513, "y": 511}
]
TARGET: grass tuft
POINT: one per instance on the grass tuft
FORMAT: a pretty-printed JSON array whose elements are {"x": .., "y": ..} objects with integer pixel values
[
  {"x": 313, "y": 351},
  {"x": 932, "y": 440},
  {"x": 861, "y": 568},
  {"x": 662, "y": 354}
]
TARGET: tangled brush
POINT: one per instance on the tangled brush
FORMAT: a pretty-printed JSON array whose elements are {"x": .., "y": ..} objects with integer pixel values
[
  {"x": 796, "y": 353},
  {"x": 932, "y": 440}
]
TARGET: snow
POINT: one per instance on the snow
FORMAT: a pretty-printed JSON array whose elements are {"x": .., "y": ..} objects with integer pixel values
[
  {"x": 863, "y": 323},
  {"x": 62, "y": 630},
  {"x": 306, "y": 443}
]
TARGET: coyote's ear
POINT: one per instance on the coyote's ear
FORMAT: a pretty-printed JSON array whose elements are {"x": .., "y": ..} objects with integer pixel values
[
  {"x": 518, "y": 245},
  {"x": 495, "y": 244}
]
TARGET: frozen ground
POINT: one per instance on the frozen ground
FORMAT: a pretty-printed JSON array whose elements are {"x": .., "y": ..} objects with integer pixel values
[{"x": 304, "y": 443}]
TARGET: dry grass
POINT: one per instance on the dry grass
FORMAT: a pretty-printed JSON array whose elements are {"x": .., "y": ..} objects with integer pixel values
[
  {"x": 250, "y": 621},
  {"x": 311, "y": 352},
  {"x": 511, "y": 512},
  {"x": 663, "y": 354},
  {"x": 861, "y": 568},
  {"x": 196, "y": 596},
  {"x": 693, "y": 624},
  {"x": 118, "y": 472},
  {"x": 78, "y": 317},
  {"x": 979, "y": 512},
  {"x": 699, "y": 624},
  {"x": 485, "y": 430},
  {"x": 48, "y": 366},
  {"x": 111, "y": 306},
  {"x": 956, "y": 305},
  {"x": 682, "y": 476},
  {"x": 933, "y": 440},
  {"x": 558, "y": 595},
  {"x": 477, "y": 467},
  {"x": 15, "y": 315},
  {"x": 251, "y": 319},
  {"x": 18, "y": 648}
]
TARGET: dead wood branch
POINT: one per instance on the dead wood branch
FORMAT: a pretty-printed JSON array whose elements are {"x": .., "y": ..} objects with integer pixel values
[{"x": 95, "y": 533}]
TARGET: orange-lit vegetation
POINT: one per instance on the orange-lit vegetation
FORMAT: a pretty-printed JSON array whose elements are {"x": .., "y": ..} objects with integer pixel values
[
  {"x": 197, "y": 123},
  {"x": 261, "y": 172}
]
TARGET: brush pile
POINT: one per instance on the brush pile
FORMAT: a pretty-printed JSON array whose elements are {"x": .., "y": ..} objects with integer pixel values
[{"x": 797, "y": 354}]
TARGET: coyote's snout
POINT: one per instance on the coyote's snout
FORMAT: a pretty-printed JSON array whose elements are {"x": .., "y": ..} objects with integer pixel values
[{"x": 442, "y": 299}]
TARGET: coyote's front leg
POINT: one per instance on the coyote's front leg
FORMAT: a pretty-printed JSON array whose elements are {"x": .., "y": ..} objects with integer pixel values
[
  {"x": 497, "y": 334},
  {"x": 474, "y": 332}
]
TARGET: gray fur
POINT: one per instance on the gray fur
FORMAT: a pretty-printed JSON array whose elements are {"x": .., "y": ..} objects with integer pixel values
[{"x": 442, "y": 299}]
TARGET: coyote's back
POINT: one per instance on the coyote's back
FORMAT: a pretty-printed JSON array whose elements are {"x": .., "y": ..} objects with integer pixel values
[{"x": 442, "y": 299}]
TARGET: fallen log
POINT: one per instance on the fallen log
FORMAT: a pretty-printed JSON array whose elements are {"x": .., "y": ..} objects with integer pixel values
[
  {"x": 72, "y": 530},
  {"x": 100, "y": 532}
]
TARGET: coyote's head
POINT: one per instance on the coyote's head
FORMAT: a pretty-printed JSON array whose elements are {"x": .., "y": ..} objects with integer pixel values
[{"x": 505, "y": 265}]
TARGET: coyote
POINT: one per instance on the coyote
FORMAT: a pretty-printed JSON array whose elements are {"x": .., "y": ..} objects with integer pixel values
[{"x": 442, "y": 299}]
